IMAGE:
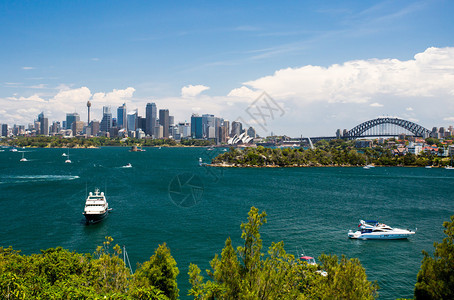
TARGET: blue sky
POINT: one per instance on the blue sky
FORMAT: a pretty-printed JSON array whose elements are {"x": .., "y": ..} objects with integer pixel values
[{"x": 55, "y": 55}]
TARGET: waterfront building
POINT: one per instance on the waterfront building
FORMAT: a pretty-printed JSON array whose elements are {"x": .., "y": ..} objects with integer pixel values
[
  {"x": 150, "y": 116},
  {"x": 55, "y": 128},
  {"x": 121, "y": 116},
  {"x": 106, "y": 122},
  {"x": 36, "y": 127},
  {"x": 140, "y": 134},
  {"x": 70, "y": 118},
  {"x": 164, "y": 122}
]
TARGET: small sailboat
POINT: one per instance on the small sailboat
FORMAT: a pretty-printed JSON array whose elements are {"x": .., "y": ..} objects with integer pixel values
[
  {"x": 23, "y": 158},
  {"x": 67, "y": 161}
]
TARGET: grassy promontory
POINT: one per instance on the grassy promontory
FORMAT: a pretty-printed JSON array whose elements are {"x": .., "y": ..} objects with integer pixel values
[{"x": 340, "y": 154}]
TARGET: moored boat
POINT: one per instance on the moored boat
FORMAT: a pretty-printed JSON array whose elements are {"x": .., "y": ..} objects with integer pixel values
[
  {"x": 96, "y": 207},
  {"x": 373, "y": 230}
]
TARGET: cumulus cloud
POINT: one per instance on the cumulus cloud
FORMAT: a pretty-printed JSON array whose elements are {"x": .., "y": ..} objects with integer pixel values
[
  {"x": 190, "y": 90},
  {"x": 429, "y": 74}
]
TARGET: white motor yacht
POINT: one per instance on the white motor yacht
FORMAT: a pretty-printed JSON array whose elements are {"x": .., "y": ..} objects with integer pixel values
[
  {"x": 96, "y": 207},
  {"x": 373, "y": 230}
]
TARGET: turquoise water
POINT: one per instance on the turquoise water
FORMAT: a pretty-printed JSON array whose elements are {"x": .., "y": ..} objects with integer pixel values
[{"x": 308, "y": 208}]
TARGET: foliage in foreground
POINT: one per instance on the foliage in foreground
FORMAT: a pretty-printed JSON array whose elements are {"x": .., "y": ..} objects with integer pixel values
[
  {"x": 61, "y": 274},
  {"x": 435, "y": 279},
  {"x": 245, "y": 273}
]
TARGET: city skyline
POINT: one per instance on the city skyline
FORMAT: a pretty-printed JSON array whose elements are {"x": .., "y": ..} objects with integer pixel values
[{"x": 328, "y": 65}]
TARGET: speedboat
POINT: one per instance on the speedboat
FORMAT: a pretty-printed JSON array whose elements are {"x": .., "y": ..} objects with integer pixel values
[
  {"x": 449, "y": 168},
  {"x": 311, "y": 261},
  {"x": 96, "y": 207},
  {"x": 373, "y": 230},
  {"x": 127, "y": 166}
]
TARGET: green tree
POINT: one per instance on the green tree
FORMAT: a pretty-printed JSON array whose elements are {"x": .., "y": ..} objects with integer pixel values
[
  {"x": 160, "y": 272},
  {"x": 435, "y": 279}
]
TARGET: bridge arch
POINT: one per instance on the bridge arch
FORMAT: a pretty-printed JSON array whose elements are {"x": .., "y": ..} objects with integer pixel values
[{"x": 359, "y": 130}]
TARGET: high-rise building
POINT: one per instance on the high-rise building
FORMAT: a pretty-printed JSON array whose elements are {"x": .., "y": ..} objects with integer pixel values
[
  {"x": 184, "y": 130},
  {"x": 121, "y": 116},
  {"x": 131, "y": 120},
  {"x": 141, "y": 124},
  {"x": 251, "y": 132},
  {"x": 44, "y": 124},
  {"x": 94, "y": 127},
  {"x": 106, "y": 122},
  {"x": 5, "y": 130},
  {"x": 70, "y": 118},
  {"x": 237, "y": 128},
  {"x": 196, "y": 127},
  {"x": 55, "y": 128},
  {"x": 150, "y": 115},
  {"x": 36, "y": 127},
  {"x": 77, "y": 127},
  {"x": 164, "y": 122}
]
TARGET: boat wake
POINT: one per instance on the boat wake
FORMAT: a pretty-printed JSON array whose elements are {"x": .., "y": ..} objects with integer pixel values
[{"x": 36, "y": 178}]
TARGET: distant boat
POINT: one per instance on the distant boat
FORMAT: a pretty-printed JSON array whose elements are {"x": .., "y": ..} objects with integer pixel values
[
  {"x": 366, "y": 167},
  {"x": 428, "y": 167},
  {"x": 23, "y": 158},
  {"x": 127, "y": 166},
  {"x": 64, "y": 154},
  {"x": 96, "y": 207},
  {"x": 210, "y": 148},
  {"x": 13, "y": 150},
  {"x": 449, "y": 168},
  {"x": 67, "y": 161}
]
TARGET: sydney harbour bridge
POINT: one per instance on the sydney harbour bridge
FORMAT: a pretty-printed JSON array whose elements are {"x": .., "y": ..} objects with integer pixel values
[{"x": 380, "y": 127}]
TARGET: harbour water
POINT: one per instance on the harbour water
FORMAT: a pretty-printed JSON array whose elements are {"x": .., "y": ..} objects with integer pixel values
[{"x": 167, "y": 197}]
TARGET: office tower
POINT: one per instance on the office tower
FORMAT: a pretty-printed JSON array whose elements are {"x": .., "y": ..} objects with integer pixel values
[
  {"x": 142, "y": 124},
  {"x": 224, "y": 131},
  {"x": 70, "y": 118},
  {"x": 196, "y": 127},
  {"x": 131, "y": 121},
  {"x": 55, "y": 127},
  {"x": 251, "y": 132},
  {"x": 121, "y": 116},
  {"x": 94, "y": 127},
  {"x": 106, "y": 122},
  {"x": 164, "y": 122},
  {"x": 237, "y": 128},
  {"x": 4, "y": 130},
  {"x": 36, "y": 127},
  {"x": 171, "y": 120},
  {"x": 44, "y": 124},
  {"x": 88, "y": 108},
  {"x": 77, "y": 127},
  {"x": 150, "y": 115},
  {"x": 184, "y": 129},
  {"x": 208, "y": 122}
]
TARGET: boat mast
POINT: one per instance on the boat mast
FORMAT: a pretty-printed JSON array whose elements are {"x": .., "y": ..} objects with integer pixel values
[{"x": 126, "y": 257}]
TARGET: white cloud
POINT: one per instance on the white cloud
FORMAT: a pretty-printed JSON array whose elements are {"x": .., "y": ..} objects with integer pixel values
[
  {"x": 376, "y": 104},
  {"x": 451, "y": 119},
  {"x": 27, "y": 68},
  {"x": 409, "y": 109},
  {"x": 429, "y": 74},
  {"x": 193, "y": 90}
]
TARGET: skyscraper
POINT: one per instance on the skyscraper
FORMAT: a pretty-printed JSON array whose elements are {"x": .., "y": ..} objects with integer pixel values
[
  {"x": 237, "y": 128},
  {"x": 70, "y": 118},
  {"x": 106, "y": 122},
  {"x": 5, "y": 130},
  {"x": 164, "y": 122},
  {"x": 196, "y": 127},
  {"x": 150, "y": 116},
  {"x": 121, "y": 116},
  {"x": 44, "y": 124},
  {"x": 88, "y": 107},
  {"x": 131, "y": 121}
]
